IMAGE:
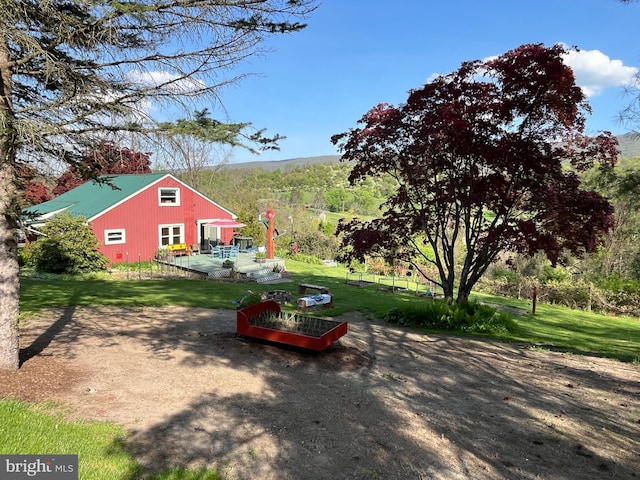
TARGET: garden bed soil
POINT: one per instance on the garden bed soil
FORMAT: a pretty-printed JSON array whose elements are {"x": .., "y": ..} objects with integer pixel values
[
  {"x": 382, "y": 403},
  {"x": 295, "y": 323}
]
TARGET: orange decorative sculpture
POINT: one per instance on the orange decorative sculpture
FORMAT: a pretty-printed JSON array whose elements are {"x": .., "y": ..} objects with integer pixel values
[{"x": 270, "y": 214}]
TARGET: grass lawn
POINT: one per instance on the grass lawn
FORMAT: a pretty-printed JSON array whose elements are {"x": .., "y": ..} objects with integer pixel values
[
  {"x": 574, "y": 331},
  {"x": 27, "y": 429},
  {"x": 35, "y": 429},
  {"x": 53, "y": 292},
  {"x": 552, "y": 327}
]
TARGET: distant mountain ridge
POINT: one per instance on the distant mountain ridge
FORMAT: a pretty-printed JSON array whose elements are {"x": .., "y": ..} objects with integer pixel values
[
  {"x": 289, "y": 163},
  {"x": 629, "y": 145}
]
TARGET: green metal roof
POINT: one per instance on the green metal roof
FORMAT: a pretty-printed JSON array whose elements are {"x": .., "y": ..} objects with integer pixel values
[{"x": 91, "y": 198}]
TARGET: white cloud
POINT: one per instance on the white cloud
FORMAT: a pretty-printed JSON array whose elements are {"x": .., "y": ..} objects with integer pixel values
[
  {"x": 166, "y": 81},
  {"x": 595, "y": 71}
]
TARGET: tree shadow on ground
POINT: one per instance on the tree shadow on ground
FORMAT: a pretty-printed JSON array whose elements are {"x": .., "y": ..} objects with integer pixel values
[
  {"x": 384, "y": 402},
  {"x": 60, "y": 325},
  {"x": 316, "y": 416}
]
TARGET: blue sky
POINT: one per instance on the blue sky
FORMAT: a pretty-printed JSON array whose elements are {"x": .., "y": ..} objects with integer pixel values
[{"x": 355, "y": 54}]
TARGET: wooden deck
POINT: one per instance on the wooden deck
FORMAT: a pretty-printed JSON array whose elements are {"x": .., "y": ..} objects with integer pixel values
[{"x": 244, "y": 263}]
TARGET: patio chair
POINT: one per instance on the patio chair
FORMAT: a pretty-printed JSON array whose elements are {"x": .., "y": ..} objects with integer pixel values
[{"x": 215, "y": 251}]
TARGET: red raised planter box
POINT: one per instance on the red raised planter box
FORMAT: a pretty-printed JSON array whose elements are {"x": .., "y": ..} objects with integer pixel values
[{"x": 266, "y": 321}]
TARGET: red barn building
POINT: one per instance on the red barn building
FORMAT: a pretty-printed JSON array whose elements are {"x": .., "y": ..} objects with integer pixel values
[{"x": 142, "y": 214}]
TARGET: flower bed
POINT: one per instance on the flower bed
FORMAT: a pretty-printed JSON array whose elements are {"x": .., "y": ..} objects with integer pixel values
[{"x": 266, "y": 321}]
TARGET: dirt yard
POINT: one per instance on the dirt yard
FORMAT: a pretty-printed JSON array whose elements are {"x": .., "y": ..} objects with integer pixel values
[{"x": 382, "y": 403}]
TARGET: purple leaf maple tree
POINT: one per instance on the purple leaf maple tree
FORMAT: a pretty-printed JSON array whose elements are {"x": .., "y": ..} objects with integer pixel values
[
  {"x": 106, "y": 159},
  {"x": 487, "y": 160}
]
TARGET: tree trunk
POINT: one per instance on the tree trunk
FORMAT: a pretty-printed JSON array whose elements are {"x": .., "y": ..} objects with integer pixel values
[
  {"x": 463, "y": 293},
  {"x": 9, "y": 279},
  {"x": 447, "y": 289},
  {"x": 9, "y": 272}
]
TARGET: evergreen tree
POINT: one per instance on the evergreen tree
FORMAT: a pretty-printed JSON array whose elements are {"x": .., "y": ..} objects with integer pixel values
[{"x": 72, "y": 70}]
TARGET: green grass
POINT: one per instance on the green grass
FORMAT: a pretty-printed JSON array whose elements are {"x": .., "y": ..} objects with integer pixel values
[
  {"x": 552, "y": 326},
  {"x": 37, "y": 294},
  {"x": 560, "y": 328},
  {"x": 332, "y": 218},
  {"x": 582, "y": 332},
  {"x": 27, "y": 429}
]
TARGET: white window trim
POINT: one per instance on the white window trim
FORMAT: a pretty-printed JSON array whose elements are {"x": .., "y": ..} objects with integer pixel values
[
  {"x": 169, "y": 204},
  {"x": 121, "y": 240},
  {"x": 170, "y": 226}
]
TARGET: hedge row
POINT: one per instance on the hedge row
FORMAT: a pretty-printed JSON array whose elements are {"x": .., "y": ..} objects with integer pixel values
[{"x": 573, "y": 294}]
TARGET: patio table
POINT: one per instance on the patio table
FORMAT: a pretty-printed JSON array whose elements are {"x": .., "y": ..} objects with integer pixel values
[{"x": 228, "y": 251}]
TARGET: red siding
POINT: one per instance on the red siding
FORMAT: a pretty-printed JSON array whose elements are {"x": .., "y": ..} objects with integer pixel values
[{"x": 141, "y": 215}]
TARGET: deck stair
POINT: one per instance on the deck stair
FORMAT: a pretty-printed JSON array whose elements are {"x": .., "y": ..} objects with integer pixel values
[{"x": 263, "y": 274}]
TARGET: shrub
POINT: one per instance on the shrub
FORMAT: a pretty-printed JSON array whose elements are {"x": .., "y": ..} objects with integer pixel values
[
  {"x": 609, "y": 295},
  {"x": 250, "y": 298},
  {"x": 378, "y": 266},
  {"x": 301, "y": 257},
  {"x": 616, "y": 284},
  {"x": 503, "y": 274},
  {"x": 570, "y": 294},
  {"x": 25, "y": 255},
  {"x": 469, "y": 317},
  {"x": 69, "y": 246},
  {"x": 555, "y": 274},
  {"x": 317, "y": 244}
]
